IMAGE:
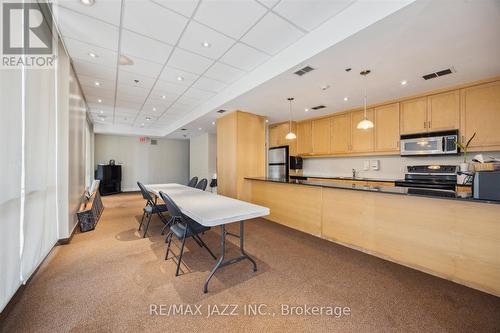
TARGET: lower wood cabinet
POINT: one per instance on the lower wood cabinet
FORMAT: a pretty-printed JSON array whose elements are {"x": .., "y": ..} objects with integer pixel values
[{"x": 386, "y": 128}]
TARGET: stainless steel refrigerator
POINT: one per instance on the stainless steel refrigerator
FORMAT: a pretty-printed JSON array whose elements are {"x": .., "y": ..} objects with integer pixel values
[{"x": 277, "y": 162}]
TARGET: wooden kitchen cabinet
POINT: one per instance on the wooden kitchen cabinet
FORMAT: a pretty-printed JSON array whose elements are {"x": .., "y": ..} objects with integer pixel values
[
  {"x": 386, "y": 128},
  {"x": 277, "y": 134},
  {"x": 321, "y": 136},
  {"x": 444, "y": 111},
  {"x": 414, "y": 116},
  {"x": 304, "y": 137},
  {"x": 361, "y": 139},
  {"x": 274, "y": 134},
  {"x": 340, "y": 134},
  {"x": 480, "y": 114}
]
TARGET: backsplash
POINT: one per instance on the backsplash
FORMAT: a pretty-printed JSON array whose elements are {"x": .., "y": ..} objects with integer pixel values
[{"x": 390, "y": 167}]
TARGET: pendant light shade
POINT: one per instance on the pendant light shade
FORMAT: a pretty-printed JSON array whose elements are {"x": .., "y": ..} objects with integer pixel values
[
  {"x": 365, "y": 123},
  {"x": 290, "y": 135}
]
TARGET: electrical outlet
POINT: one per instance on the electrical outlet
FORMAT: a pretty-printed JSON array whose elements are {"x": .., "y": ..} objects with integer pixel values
[
  {"x": 375, "y": 164},
  {"x": 366, "y": 165}
]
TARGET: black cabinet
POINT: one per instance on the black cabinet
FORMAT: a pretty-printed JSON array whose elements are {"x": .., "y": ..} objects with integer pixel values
[{"x": 110, "y": 177}]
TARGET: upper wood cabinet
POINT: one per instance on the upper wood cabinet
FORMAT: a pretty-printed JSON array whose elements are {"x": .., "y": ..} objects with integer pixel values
[
  {"x": 341, "y": 133},
  {"x": 274, "y": 134},
  {"x": 321, "y": 136},
  {"x": 431, "y": 113},
  {"x": 387, "y": 128},
  {"x": 361, "y": 139},
  {"x": 414, "y": 116},
  {"x": 304, "y": 137},
  {"x": 444, "y": 111},
  {"x": 481, "y": 115}
]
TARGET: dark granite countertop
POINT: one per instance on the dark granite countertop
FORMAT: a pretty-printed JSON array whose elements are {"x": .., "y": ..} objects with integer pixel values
[
  {"x": 412, "y": 191},
  {"x": 346, "y": 178}
]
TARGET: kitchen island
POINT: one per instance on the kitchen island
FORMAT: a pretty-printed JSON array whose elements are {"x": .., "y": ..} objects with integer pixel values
[{"x": 456, "y": 238}]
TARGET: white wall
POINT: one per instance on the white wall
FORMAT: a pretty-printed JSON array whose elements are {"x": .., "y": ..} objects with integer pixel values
[
  {"x": 166, "y": 162},
  {"x": 391, "y": 167},
  {"x": 202, "y": 156}
]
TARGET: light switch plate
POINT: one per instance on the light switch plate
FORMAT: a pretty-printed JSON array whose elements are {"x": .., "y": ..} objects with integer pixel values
[
  {"x": 375, "y": 164},
  {"x": 366, "y": 165}
]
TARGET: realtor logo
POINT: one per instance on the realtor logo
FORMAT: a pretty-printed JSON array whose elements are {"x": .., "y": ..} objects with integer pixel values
[{"x": 27, "y": 35}]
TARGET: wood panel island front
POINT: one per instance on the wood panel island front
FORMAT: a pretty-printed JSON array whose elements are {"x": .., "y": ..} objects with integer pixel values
[{"x": 454, "y": 238}]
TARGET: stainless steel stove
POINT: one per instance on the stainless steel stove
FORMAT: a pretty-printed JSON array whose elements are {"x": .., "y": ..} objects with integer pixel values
[{"x": 430, "y": 177}]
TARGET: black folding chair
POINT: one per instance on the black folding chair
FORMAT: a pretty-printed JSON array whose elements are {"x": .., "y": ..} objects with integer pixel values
[
  {"x": 202, "y": 184},
  {"x": 183, "y": 227},
  {"x": 151, "y": 207},
  {"x": 193, "y": 182}
]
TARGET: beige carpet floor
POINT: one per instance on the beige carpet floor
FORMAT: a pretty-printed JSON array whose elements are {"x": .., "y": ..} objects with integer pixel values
[{"x": 107, "y": 280}]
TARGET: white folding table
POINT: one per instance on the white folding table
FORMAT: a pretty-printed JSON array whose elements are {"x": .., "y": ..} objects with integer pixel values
[{"x": 211, "y": 210}]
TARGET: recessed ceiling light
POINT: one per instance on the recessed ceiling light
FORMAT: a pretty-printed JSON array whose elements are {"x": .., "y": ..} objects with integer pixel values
[
  {"x": 101, "y": 112},
  {"x": 206, "y": 44},
  {"x": 99, "y": 100},
  {"x": 267, "y": 120},
  {"x": 163, "y": 97},
  {"x": 180, "y": 78},
  {"x": 87, "y": 2},
  {"x": 306, "y": 110},
  {"x": 213, "y": 122},
  {"x": 97, "y": 84},
  {"x": 148, "y": 118},
  {"x": 126, "y": 61},
  {"x": 346, "y": 99},
  {"x": 154, "y": 109},
  {"x": 199, "y": 128},
  {"x": 142, "y": 125},
  {"x": 404, "y": 82},
  {"x": 93, "y": 55}
]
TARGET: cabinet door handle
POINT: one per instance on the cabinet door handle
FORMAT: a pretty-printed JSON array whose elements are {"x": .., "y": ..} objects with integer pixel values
[
  {"x": 425, "y": 124},
  {"x": 429, "y": 124}
]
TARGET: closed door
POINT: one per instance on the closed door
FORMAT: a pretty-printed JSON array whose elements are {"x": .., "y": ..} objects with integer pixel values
[
  {"x": 444, "y": 111},
  {"x": 361, "y": 139},
  {"x": 481, "y": 115},
  {"x": 321, "y": 136},
  {"x": 304, "y": 137},
  {"x": 387, "y": 128},
  {"x": 341, "y": 133},
  {"x": 414, "y": 116}
]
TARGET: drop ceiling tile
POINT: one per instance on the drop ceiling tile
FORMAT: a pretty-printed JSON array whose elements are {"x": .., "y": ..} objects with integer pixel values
[
  {"x": 128, "y": 79},
  {"x": 89, "y": 81},
  {"x": 310, "y": 14},
  {"x": 154, "y": 21},
  {"x": 184, "y": 7},
  {"x": 98, "y": 92},
  {"x": 173, "y": 74},
  {"x": 169, "y": 87},
  {"x": 128, "y": 105},
  {"x": 87, "y": 29},
  {"x": 230, "y": 17},
  {"x": 142, "y": 67},
  {"x": 224, "y": 73},
  {"x": 122, "y": 111},
  {"x": 208, "y": 84},
  {"x": 244, "y": 57},
  {"x": 126, "y": 91},
  {"x": 153, "y": 109},
  {"x": 124, "y": 97},
  {"x": 272, "y": 34},
  {"x": 120, "y": 120},
  {"x": 159, "y": 95},
  {"x": 187, "y": 102},
  {"x": 189, "y": 62},
  {"x": 108, "y": 10},
  {"x": 269, "y": 3},
  {"x": 143, "y": 47},
  {"x": 196, "y": 34},
  {"x": 94, "y": 70},
  {"x": 81, "y": 50}
]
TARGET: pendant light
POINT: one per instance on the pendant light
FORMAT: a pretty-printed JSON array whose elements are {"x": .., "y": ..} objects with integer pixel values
[
  {"x": 290, "y": 135},
  {"x": 365, "y": 123}
]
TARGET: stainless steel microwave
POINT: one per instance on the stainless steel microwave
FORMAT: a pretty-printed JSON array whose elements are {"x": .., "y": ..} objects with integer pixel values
[{"x": 433, "y": 143}]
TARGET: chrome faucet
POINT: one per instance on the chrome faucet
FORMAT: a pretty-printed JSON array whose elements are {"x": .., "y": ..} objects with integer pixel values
[{"x": 353, "y": 173}]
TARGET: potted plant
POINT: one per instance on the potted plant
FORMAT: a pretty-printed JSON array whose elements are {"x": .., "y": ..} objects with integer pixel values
[{"x": 464, "y": 167}]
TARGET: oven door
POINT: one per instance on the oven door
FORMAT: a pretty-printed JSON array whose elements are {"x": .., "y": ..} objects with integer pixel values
[{"x": 422, "y": 146}]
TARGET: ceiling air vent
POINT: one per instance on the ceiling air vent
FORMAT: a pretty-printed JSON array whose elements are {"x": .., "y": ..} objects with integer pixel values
[
  {"x": 438, "y": 73},
  {"x": 221, "y": 111},
  {"x": 304, "y": 70},
  {"x": 318, "y": 107}
]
